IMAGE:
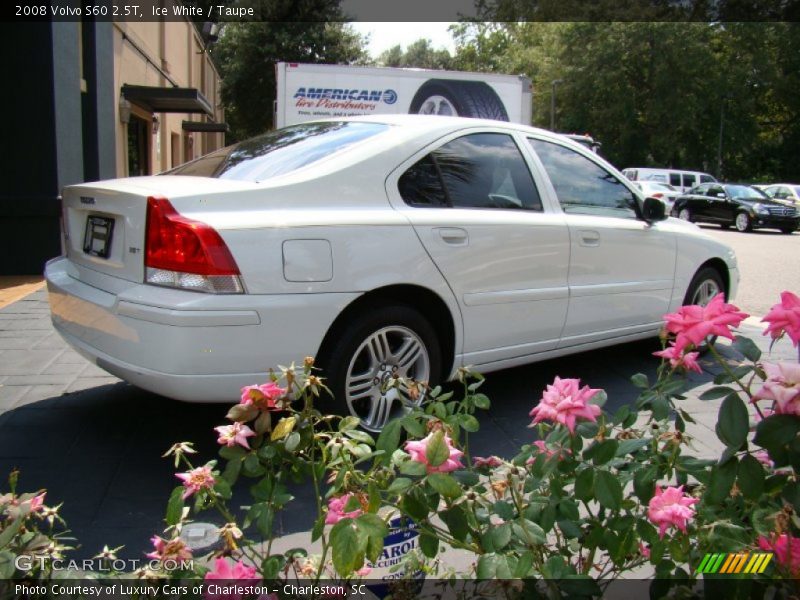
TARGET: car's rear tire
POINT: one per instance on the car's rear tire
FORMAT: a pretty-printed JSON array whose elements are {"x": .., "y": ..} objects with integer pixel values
[
  {"x": 388, "y": 340},
  {"x": 685, "y": 214},
  {"x": 788, "y": 230},
  {"x": 743, "y": 222}
]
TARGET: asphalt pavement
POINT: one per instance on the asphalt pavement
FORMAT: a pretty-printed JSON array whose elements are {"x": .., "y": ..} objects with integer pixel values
[{"x": 95, "y": 442}]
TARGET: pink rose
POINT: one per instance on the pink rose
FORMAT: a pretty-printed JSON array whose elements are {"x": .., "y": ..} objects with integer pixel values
[
  {"x": 37, "y": 502},
  {"x": 787, "y": 551},
  {"x": 174, "y": 549},
  {"x": 263, "y": 396},
  {"x": 336, "y": 510},
  {"x": 782, "y": 387},
  {"x": 363, "y": 571},
  {"x": 565, "y": 402},
  {"x": 195, "y": 480},
  {"x": 784, "y": 317},
  {"x": 489, "y": 461},
  {"x": 678, "y": 358},
  {"x": 762, "y": 456},
  {"x": 418, "y": 452},
  {"x": 693, "y": 324},
  {"x": 670, "y": 507},
  {"x": 230, "y": 435},
  {"x": 644, "y": 550},
  {"x": 223, "y": 570}
]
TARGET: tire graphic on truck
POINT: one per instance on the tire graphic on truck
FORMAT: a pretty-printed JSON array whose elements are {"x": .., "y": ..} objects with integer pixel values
[{"x": 446, "y": 97}]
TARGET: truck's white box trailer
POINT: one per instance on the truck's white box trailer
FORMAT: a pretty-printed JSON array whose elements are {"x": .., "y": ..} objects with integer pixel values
[{"x": 307, "y": 92}]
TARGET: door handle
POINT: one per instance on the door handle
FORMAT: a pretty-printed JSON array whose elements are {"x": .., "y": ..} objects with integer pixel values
[
  {"x": 455, "y": 236},
  {"x": 589, "y": 237}
]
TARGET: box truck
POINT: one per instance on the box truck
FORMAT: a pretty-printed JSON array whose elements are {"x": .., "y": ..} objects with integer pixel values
[{"x": 307, "y": 92}]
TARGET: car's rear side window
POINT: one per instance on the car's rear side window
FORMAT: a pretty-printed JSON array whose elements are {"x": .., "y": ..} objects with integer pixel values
[
  {"x": 480, "y": 170},
  {"x": 279, "y": 152}
]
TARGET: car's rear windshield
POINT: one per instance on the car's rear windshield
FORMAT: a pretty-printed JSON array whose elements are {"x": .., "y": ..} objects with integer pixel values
[{"x": 279, "y": 152}]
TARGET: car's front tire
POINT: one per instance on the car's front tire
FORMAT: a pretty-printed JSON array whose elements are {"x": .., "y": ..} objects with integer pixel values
[
  {"x": 390, "y": 340},
  {"x": 743, "y": 222},
  {"x": 788, "y": 230},
  {"x": 685, "y": 214}
]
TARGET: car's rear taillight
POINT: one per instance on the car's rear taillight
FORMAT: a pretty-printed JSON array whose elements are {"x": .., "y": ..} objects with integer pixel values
[
  {"x": 184, "y": 253},
  {"x": 658, "y": 195}
]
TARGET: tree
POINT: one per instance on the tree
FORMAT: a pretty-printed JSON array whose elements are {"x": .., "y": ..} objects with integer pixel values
[
  {"x": 420, "y": 54},
  {"x": 247, "y": 52}
]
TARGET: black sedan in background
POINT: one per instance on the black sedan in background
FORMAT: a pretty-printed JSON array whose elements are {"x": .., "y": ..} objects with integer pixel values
[{"x": 737, "y": 204}]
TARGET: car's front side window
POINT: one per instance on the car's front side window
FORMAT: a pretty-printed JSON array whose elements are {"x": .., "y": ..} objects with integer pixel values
[
  {"x": 582, "y": 186},
  {"x": 480, "y": 170}
]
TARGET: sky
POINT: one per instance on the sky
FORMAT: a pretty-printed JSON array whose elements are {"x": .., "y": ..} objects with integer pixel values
[{"x": 384, "y": 35}]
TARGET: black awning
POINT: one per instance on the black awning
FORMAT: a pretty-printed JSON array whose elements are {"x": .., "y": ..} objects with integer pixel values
[
  {"x": 205, "y": 127},
  {"x": 167, "y": 100}
]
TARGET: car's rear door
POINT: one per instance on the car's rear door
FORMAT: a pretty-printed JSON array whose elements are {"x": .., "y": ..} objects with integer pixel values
[
  {"x": 622, "y": 269},
  {"x": 477, "y": 211}
]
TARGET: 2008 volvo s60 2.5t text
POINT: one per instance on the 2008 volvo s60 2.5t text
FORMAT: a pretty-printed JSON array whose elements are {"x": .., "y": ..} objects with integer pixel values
[{"x": 403, "y": 244}]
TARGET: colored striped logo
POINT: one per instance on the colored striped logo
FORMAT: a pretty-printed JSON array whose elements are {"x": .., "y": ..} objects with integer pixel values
[{"x": 731, "y": 563}]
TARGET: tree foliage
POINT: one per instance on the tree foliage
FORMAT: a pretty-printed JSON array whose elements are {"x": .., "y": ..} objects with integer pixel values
[
  {"x": 246, "y": 54},
  {"x": 419, "y": 54},
  {"x": 657, "y": 94}
]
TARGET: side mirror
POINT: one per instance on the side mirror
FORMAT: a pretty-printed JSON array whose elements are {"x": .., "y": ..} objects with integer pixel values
[
  {"x": 653, "y": 210},
  {"x": 721, "y": 195}
]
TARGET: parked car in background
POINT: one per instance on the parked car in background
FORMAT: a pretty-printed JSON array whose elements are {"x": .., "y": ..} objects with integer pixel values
[
  {"x": 663, "y": 191},
  {"x": 586, "y": 140},
  {"x": 788, "y": 193},
  {"x": 744, "y": 206},
  {"x": 682, "y": 181},
  {"x": 394, "y": 245}
]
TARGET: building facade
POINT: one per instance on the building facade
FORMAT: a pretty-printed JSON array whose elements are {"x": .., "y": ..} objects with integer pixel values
[{"x": 96, "y": 100}]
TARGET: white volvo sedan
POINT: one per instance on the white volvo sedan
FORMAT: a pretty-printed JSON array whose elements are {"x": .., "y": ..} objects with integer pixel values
[{"x": 405, "y": 245}]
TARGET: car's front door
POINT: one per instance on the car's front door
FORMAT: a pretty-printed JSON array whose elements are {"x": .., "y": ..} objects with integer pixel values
[
  {"x": 720, "y": 207},
  {"x": 622, "y": 269},
  {"x": 478, "y": 213}
]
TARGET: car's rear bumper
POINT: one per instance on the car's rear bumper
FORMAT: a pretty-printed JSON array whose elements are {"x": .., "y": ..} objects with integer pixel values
[{"x": 186, "y": 345}]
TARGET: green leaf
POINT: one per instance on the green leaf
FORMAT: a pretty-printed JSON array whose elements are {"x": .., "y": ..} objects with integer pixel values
[
  {"x": 488, "y": 565},
  {"x": 292, "y": 441},
  {"x": 319, "y": 528},
  {"x": 631, "y": 446},
  {"x": 469, "y": 423},
  {"x": 481, "y": 401},
  {"x": 717, "y": 392},
  {"x": 399, "y": 485},
  {"x": 437, "y": 451},
  {"x": 747, "y": 347},
  {"x": 414, "y": 504},
  {"x": 374, "y": 497},
  {"x": 734, "y": 422},
  {"x": 750, "y": 477},
  {"x": 375, "y": 530},
  {"x": 413, "y": 427},
  {"x": 223, "y": 489},
  {"x": 526, "y": 530},
  {"x": 569, "y": 529},
  {"x": 413, "y": 468},
  {"x": 348, "y": 547},
  {"x": 429, "y": 544},
  {"x": 501, "y": 536},
  {"x": 584, "y": 484},
  {"x": 271, "y": 566},
  {"x": 389, "y": 439},
  {"x": 776, "y": 430},
  {"x": 445, "y": 485},
  {"x": 232, "y": 470},
  {"x": 232, "y": 452},
  {"x": 456, "y": 521},
  {"x": 524, "y": 565},
  {"x": 722, "y": 478},
  {"x": 602, "y": 452},
  {"x": 640, "y": 381},
  {"x": 349, "y": 423},
  {"x": 10, "y": 531},
  {"x": 6, "y": 564},
  {"x": 608, "y": 490},
  {"x": 175, "y": 506}
]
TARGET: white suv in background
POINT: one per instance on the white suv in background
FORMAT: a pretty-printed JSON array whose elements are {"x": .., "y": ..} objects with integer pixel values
[{"x": 682, "y": 181}]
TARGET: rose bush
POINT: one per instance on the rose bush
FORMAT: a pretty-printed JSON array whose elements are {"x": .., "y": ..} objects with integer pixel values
[{"x": 595, "y": 497}]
